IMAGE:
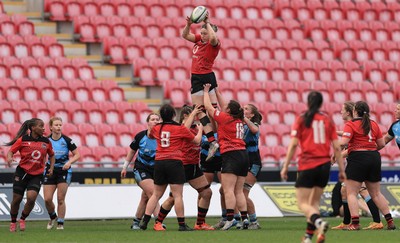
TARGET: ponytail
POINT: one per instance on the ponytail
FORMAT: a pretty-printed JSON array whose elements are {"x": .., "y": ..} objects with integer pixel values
[
  {"x": 167, "y": 113},
  {"x": 314, "y": 101},
  {"x": 27, "y": 125},
  {"x": 362, "y": 110}
]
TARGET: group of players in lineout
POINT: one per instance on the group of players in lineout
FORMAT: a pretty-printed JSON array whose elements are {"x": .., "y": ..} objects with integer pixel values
[{"x": 214, "y": 136}]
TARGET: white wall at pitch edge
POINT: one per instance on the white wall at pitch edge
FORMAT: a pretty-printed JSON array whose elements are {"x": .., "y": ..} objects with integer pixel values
[{"x": 121, "y": 201}]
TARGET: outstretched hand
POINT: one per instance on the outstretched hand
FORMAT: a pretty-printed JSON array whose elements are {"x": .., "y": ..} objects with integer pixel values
[
  {"x": 207, "y": 18},
  {"x": 206, "y": 88},
  {"x": 188, "y": 20}
]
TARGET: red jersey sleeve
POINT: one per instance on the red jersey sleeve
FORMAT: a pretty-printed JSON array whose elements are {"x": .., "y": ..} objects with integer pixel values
[
  {"x": 296, "y": 128},
  {"x": 197, "y": 37},
  {"x": 16, "y": 146},
  {"x": 348, "y": 131},
  {"x": 50, "y": 150},
  {"x": 220, "y": 116}
]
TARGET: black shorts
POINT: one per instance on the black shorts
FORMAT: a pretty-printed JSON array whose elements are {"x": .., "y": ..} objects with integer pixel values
[
  {"x": 168, "y": 172},
  {"x": 318, "y": 176},
  {"x": 254, "y": 163},
  {"x": 23, "y": 181},
  {"x": 59, "y": 176},
  {"x": 142, "y": 172},
  {"x": 364, "y": 166},
  {"x": 198, "y": 80},
  {"x": 235, "y": 162},
  {"x": 192, "y": 172},
  {"x": 211, "y": 166}
]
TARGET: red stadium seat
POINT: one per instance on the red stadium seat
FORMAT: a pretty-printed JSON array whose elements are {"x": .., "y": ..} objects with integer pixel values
[
  {"x": 73, "y": 9},
  {"x": 38, "y": 50},
  {"x": 64, "y": 114},
  {"x": 90, "y": 9},
  {"x": 68, "y": 72},
  {"x": 178, "y": 97},
  {"x": 267, "y": 12},
  {"x": 123, "y": 10},
  {"x": 120, "y": 128},
  {"x": 57, "y": 11},
  {"x": 4, "y": 104},
  {"x": 139, "y": 10},
  {"x": 17, "y": 71},
  {"x": 106, "y": 105},
  {"x": 8, "y": 28},
  {"x": 120, "y": 30},
  {"x": 103, "y": 155},
  {"x": 127, "y": 113},
  {"x": 119, "y": 153},
  {"x": 6, "y": 50},
  {"x": 9, "y": 116},
  {"x": 87, "y": 158},
  {"x": 96, "y": 116},
  {"x": 85, "y": 72},
  {"x": 26, "y": 28},
  {"x": 56, "y": 50},
  {"x": 107, "y": 9}
]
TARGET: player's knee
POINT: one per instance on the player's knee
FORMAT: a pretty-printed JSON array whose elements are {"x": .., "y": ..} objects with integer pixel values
[
  {"x": 205, "y": 191},
  {"x": 60, "y": 202}
]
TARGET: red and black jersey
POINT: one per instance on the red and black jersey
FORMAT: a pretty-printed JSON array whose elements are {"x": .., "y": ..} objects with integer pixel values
[
  {"x": 315, "y": 141},
  {"x": 230, "y": 132},
  {"x": 204, "y": 55},
  {"x": 170, "y": 138},
  {"x": 33, "y": 153},
  {"x": 359, "y": 141},
  {"x": 191, "y": 151}
]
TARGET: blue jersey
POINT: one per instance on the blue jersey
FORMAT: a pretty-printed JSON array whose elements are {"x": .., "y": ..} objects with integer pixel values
[
  {"x": 205, "y": 145},
  {"x": 251, "y": 139},
  {"x": 394, "y": 131},
  {"x": 146, "y": 149},
  {"x": 61, "y": 148}
]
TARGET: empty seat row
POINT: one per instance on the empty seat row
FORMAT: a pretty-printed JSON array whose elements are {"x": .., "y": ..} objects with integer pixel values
[
  {"x": 63, "y": 10},
  {"x": 59, "y": 90},
  {"x": 67, "y": 72},
  {"x": 43, "y": 61},
  {"x": 21, "y": 49},
  {"x": 75, "y": 112},
  {"x": 321, "y": 10},
  {"x": 119, "y": 54},
  {"x": 24, "y": 28}
]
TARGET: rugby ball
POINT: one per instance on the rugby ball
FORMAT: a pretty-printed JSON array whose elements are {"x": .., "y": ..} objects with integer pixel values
[{"x": 199, "y": 14}]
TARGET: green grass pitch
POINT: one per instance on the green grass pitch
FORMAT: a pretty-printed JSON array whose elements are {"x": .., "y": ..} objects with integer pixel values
[{"x": 289, "y": 229}]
